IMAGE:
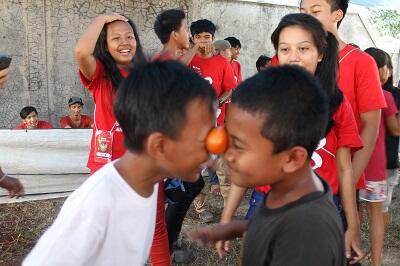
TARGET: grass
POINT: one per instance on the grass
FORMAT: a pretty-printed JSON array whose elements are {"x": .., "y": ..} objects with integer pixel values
[{"x": 21, "y": 224}]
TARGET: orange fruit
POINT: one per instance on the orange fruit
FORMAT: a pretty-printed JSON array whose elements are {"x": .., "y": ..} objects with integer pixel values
[{"x": 217, "y": 140}]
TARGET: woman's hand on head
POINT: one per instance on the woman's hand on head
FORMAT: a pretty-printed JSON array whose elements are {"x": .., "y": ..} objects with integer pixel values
[{"x": 111, "y": 17}]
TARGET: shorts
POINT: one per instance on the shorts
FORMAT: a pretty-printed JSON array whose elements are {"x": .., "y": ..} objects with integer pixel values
[
  {"x": 375, "y": 191},
  {"x": 392, "y": 182}
]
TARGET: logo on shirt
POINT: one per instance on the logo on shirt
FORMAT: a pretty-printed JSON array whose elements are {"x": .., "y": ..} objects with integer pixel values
[
  {"x": 316, "y": 158},
  {"x": 209, "y": 79}
]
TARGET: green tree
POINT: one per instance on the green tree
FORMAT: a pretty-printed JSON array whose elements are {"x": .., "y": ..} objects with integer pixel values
[{"x": 387, "y": 22}]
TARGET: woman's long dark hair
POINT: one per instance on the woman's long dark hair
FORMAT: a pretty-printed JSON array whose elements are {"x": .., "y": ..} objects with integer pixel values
[
  {"x": 111, "y": 68},
  {"x": 327, "y": 46}
]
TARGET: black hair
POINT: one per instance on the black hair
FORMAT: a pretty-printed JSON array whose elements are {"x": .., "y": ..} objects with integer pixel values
[
  {"x": 293, "y": 103},
  {"x": 26, "y": 111},
  {"x": 389, "y": 83},
  {"x": 261, "y": 61},
  {"x": 168, "y": 21},
  {"x": 202, "y": 25},
  {"x": 154, "y": 98},
  {"x": 378, "y": 55},
  {"x": 111, "y": 69},
  {"x": 327, "y": 46},
  {"x": 234, "y": 42},
  {"x": 337, "y": 5}
]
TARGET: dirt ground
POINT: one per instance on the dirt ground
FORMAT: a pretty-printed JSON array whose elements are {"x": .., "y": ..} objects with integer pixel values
[{"x": 21, "y": 224}]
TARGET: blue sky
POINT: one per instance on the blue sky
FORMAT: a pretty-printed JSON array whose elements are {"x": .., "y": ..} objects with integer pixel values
[{"x": 386, "y": 4}]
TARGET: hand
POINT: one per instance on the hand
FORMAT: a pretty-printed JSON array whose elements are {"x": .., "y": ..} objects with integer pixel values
[
  {"x": 353, "y": 245},
  {"x": 3, "y": 77},
  {"x": 222, "y": 247},
  {"x": 203, "y": 236},
  {"x": 13, "y": 185},
  {"x": 205, "y": 48},
  {"x": 108, "y": 18}
]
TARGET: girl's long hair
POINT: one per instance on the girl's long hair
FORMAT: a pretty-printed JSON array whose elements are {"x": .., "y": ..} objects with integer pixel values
[
  {"x": 327, "y": 46},
  {"x": 111, "y": 68}
]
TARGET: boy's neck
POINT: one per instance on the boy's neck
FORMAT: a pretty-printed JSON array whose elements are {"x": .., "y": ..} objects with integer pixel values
[
  {"x": 138, "y": 171},
  {"x": 293, "y": 187},
  {"x": 204, "y": 56},
  {"x": 171, "y": 48},
  {"x": 341, "y": 43}
]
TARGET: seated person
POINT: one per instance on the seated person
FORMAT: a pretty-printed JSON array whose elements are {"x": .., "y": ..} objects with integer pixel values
[
  {"x": 223, "y": 47},
  {"x": 30, "y": 119},
  {"x": 75, "y": 119}
]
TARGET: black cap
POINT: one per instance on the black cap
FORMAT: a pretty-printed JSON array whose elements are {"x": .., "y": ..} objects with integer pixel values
[{"x": 74, "y": 100}]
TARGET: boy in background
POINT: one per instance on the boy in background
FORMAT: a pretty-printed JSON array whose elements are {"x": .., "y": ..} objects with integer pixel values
[{"x": 235, "y": 51}]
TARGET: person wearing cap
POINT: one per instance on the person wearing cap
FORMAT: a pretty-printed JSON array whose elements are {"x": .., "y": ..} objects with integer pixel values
[
  {"x": 75, "y": 119},
  {"x": 223, "y": 47}
]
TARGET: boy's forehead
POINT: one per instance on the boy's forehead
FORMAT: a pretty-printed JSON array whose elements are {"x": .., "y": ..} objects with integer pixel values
[
  {"x": 314, "y": 3},
  {"x": 205, "y": 33}
]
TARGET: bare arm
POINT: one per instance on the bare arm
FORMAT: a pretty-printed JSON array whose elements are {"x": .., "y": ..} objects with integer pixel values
[
  {"x": 224, "y": 97},
  {"x": 86, "y": 44},
  {"x": 188, "y": 56},
  {"x": 3, "y": 77},
  {"x": 12, "y": 185},
  {"x": 369, "y": 132},
  {"x": 236, "y": 195},
  {"x": 393, "y": 125},
  {"x": 348, "y": 198}
]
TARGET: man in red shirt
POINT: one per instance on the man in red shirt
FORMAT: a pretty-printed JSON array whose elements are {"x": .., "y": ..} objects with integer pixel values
[
  {"x": 217, "y": 70},
  {"x": 359, "y": 81},
  {"x": 75, "y": 119},
  {"x": 235, "y": 51},
  {"x": 30, "y": 119}
]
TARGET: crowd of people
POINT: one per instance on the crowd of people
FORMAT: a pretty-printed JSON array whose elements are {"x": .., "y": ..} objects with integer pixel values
[{"x": 315, "y": 133}]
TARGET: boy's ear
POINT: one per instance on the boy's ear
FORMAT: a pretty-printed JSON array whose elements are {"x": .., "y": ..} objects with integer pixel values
[
  {"x": 296, "y": 157},
  {"x": 154, "y": 145}
]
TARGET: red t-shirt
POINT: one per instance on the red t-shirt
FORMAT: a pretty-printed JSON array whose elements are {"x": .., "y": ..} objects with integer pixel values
[
  {"x": 237, "y": 70},
  {"x": 376, "y": 168},
  {"x": 163, "y": 56},
  {"x": 219, "y": 73},
  {"x": 104, "y": 119},
  {"x": 86, "y": 122},
  {"x": 359, "y": 81},
  {"x": 41, "y": 125},
  {"x": 344, "y": 133}
]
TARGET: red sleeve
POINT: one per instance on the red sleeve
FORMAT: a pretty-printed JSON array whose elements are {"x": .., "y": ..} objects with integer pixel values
[
  {"x": 239, "y": 78},
  {"x": 20, "y": 126},
  {"x": 274, "y": 61},
  {"x": 369, "y": 92},
  {"x": 228, "y": 79},
  {"x": 345, "y": 127},
  {"x": 98, "y": 74},
  {"x": 391, "y": 108},
  {"x": 45, "y": 125},
  {"x": 64, "y": 122}
]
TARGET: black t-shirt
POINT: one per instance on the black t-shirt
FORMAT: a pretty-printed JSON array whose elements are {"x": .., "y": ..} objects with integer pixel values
[
  {"x": 304, "y": 232},
  {"x": 392, "y": 142}
]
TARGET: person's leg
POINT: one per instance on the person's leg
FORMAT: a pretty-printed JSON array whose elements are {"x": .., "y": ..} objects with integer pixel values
[
  {"x": 392, "y": 181},
  {"x": 376, "y": 231},
  {"x": 159, "y": 253},
  {"x": 200, "y": 206},
  {"x": 224, "y": 179},
  {"x": 255, "y": 200},
  {"x": 176, "y": 211}
]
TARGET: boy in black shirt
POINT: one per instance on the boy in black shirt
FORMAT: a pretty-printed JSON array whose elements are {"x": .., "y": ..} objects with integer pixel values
[{"x": 275, "y": 122}]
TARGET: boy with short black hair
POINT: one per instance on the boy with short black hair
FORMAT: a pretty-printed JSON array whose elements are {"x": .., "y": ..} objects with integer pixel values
[
  {"x": 30, "y": 119},
  {"x": 269, "y": 145},
  {"x": 217, "y": 70},
  {"x": 262, "y": 62},
  {"x": 235, "y": 51},
  {"x": 166, "y": 111}
]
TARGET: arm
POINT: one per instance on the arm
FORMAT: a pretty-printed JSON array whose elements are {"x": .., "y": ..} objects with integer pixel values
[
  {"x": 188, "y": 56},
  {"x": 86, "y": 44},
  {"x": 369, "y": 132},
  {"x": 393, "y": 125},
  {"x": 348, "y": 198},
  {"x": 3, "y": 77},
  {"x": 12, "y": 184},
  {"x": 236, "y": 195},
  {"x": 224, "y": 98}
]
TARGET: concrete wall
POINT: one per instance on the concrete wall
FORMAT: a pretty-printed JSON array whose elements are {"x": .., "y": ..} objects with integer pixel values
[{"x": 40, "y": 36}]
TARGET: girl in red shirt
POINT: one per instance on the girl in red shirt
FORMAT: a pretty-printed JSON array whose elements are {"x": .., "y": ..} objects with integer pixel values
[{"x": 106, "y": 52}]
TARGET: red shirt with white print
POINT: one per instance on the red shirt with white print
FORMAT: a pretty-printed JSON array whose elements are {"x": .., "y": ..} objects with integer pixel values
[
  {"x": 41, "y": 125},
  {"x": 104, "y": 119},
  {"x": 376, "y": 168},
  {"x": 344, "y": 133},
  {"x": 219, "y": 73},
  {"x": 237, "y": 70},
  {"x": 359, "y": 81}
]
